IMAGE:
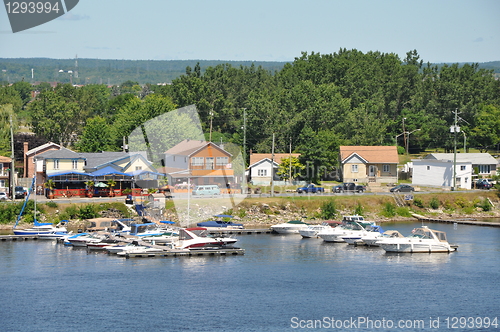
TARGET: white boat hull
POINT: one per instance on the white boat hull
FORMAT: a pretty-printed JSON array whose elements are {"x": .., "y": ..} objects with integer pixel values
[{"x": 415, "y": 247}]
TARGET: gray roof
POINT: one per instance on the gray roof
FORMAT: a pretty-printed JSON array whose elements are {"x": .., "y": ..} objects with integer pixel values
[
  {"x": 63, "y": 153},
  {"x": 474, "y": 158},
  {"x": 95, "y": 159}
]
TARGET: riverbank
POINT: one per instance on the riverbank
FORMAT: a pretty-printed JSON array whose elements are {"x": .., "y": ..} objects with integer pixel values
[{"x": 263, "y": 212}]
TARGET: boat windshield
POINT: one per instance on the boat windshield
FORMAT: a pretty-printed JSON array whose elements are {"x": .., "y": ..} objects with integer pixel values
[{"x": 421, "y": 233}]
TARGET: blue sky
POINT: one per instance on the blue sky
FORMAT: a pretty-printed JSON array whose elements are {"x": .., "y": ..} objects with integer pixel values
[{"x": 441, "y": 31}]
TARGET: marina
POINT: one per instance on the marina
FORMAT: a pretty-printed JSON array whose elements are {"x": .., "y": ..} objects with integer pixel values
[{"x": 279, "y": 277}]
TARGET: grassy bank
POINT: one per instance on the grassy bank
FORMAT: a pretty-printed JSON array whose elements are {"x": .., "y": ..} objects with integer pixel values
[{"x": 271, "y": 210}]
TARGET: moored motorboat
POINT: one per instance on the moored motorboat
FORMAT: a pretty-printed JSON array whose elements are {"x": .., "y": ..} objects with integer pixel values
[
  {"x": 198, "y": 238},
  {"x": 313, "y": 230},
  {"x": 351, "y": 226},
  {"x": 291, "y": 227},
  {"x": 369, "y": 232},
  {"x": 372, "y": 239},
  {"x": 422, "y": 240}
]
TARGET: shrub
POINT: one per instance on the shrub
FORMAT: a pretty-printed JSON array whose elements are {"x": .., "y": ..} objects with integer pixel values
[
  {"x": 51, "y": 204},
  {"x": 403, "y": 212},
  {"x": 389, "y": 210},
  {"x": 461, "y": 202},
  {"x": 359, "y": 209},
  {"x": 418, "y": 202},
  {"x": 88, "y": 211},
  {"x": 485, "y": 205},
  {"x": 434, "y": 203},
  {"x": 328, "y": 210}
]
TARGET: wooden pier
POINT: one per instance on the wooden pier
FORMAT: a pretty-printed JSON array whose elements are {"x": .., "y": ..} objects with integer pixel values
[
  {"x": 18, "y": 237},
  {"x": 187, "y": 253},
  {"x": 457, "y": 221},
  {"x": 239, "y": 231}
]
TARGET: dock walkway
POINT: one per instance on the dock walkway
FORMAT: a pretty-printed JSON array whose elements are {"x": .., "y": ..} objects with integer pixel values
[{"x": 457, "y": 221}]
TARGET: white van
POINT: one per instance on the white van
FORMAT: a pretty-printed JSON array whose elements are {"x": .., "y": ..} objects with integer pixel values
[{"x": 207, "y": 190}]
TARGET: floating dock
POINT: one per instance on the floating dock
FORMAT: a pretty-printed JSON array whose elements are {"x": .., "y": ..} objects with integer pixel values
[
  {"x": 223, "y": 231},
  {"x": 18, "y": 237},
  {"x": 457, "y": 221},
  {"x": 185, "y": 253}
]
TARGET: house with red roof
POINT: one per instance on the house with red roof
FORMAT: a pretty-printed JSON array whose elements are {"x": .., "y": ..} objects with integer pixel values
[{"x": 365, "y": 164}]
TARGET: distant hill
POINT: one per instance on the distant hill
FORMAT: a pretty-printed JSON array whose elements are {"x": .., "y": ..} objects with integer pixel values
[
  {"x": 115, "y": 72},
  {"x": 112, "y": 72}
]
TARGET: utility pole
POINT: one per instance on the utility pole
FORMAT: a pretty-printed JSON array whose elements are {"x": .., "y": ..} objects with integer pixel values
[
  {"x": 272, "y": 169},
  {"x": 244, "y": 136},
  {"x": 211, "y": 118},
  {"x": 12, "y": 162},
  {"x": 455, "y": 129},
  {"x": 290, "y": 163},
  {"x": 404, "y": 135}
]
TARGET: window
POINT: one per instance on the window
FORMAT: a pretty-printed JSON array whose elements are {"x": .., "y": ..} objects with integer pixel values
[
  {"x": 354, "y": 168},
  {"x": 428, "y": 168},
  {"x": 74, "y": 164},
  {"x": 2, "y": 183},
  {"x": 210, "y": 163},
  {"x": 197, "y": 161},
  {"x": 262, "y": 172},
  {"x": 221, "y": 161},
  {"x": 462, "y": 168},
  {"x": 56, "y": 164},
  {"x": 483, "y": 169},
  {"x": 386, "y": 168},
  {"x": 138, "y": 168}
]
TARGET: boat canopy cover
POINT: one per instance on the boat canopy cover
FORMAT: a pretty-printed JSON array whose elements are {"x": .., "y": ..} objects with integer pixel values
[
  {"x": 298, "y": 222},
  {"x": 223, "y": 216},
  {"x": 167, "y": 222},
  {"x": 217, "y": 223}
]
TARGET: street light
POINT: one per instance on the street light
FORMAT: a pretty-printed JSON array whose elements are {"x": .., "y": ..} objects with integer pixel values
[{"x": 404, "y": 135}]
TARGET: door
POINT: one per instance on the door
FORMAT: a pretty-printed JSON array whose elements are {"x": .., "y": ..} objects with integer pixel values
[{"x": 372, "y": 170}]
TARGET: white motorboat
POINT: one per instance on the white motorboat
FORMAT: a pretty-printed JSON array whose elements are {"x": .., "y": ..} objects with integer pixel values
[
  {"x": 313, "y": 230},
  {"x": 124, "y": 248},
  {"x": 82, "y": 239},
  {"x": 198, "y": 238},
  {"x": 54, "y": 235},
  {"x": 351, "y": 225},
  {"x": 41, "y": 228},
  {"x": 369, "y": 232},
  {"x": 422, "y": 239},
  {"x": 372, "y": 239},
  {"x": 291, "y": 227}
]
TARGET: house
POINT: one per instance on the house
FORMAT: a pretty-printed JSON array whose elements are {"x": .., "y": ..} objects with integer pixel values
[
  {"x": 436, "y": 169},
  {"x": 199, "y": 162},
  {"x": 260, "y": 169},
  {"x": 366, "y": 164},
  {"x": 5, "y": 165},
  {"x": 29, "y": 157}
]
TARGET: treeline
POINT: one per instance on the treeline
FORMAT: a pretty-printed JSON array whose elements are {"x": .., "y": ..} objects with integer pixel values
[
  {"x": 314, "y": 104},
  {"x": 109, "y": 72}
]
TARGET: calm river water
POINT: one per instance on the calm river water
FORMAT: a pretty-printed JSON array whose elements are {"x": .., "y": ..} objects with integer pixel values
[{"x": 282, "y": 283}]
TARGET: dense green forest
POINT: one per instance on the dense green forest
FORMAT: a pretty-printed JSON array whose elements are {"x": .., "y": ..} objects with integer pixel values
[{"x": 315, "y": 103}]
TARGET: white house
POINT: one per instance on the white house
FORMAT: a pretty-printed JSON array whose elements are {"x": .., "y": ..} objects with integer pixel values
[
  {"x": 260, "y": 170},
  {"x": 436, "y": 169},
  {"x": 439, "y": 173}
]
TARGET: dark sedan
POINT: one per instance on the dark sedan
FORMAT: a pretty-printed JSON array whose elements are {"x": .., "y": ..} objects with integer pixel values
[{"x": 403, "y": 188}]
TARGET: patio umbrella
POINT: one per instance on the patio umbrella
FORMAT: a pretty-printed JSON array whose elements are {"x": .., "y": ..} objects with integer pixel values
[{"x": 100, "y": 185}]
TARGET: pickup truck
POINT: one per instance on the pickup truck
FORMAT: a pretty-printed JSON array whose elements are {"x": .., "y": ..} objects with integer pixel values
[
  {"x": 310, "y": 188},
  {"x": 350, "y": 186}
]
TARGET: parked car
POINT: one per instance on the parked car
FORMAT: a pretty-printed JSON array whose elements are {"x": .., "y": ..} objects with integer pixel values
[
  {"x": 483, "y": 184},
  {"x": 402, "y": 188},
  {"x": 310, "y": 188},
  {"x": 349, "y": 187},
  {"x": 19, "y": 192},
  {"x": 3, "y": 197}
]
